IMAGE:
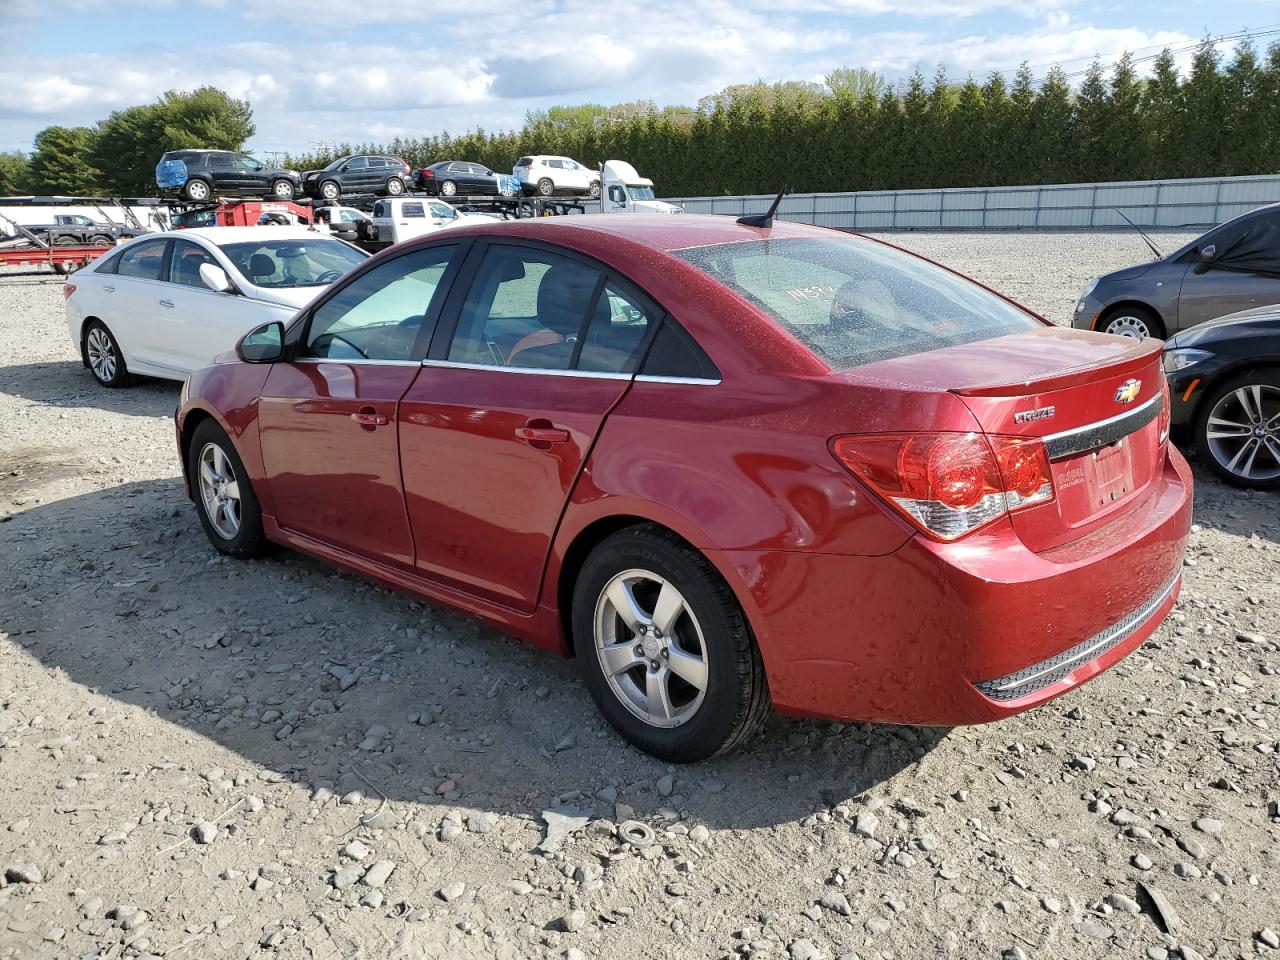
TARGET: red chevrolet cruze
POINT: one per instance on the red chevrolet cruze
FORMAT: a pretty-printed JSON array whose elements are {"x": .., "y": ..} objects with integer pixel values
[{"x": 724, "y": 466}]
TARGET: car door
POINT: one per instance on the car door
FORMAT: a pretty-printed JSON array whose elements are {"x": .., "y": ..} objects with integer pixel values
[
  {"x": 1235, "y": 280},
  {"x": 497, "y": 426},
  {"x": 252, "y": 175},
  {"x": 195, "y": 324},
  {"x": 226, "y": 174},
  {"x": 355, "y": 176},
  {"x": 328, "y": 418},
  {"x": 132, "y": 301}
]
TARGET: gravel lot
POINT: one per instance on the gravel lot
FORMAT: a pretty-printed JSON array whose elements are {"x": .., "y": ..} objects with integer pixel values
[{"x": 208, "y": 759}]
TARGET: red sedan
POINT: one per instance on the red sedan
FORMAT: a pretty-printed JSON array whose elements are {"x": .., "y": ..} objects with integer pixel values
[{"x": 725, "y": 466}]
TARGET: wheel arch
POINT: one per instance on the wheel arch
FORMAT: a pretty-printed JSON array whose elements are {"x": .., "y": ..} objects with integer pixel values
[
  {"x": 84, "y": 336},
  {"x": 1242, "y": 366},
  {"x": 1131, "y": 303},
  {"x": 577, "y": 546}
]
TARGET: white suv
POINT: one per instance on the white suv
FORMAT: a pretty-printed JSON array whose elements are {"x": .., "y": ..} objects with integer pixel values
[{"x": 547, "y": 176}]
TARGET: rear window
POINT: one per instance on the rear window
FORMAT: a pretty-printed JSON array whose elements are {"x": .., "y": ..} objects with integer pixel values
[
  {"x": 525, "y": 162},
  {"x": 853, "y": 301}
]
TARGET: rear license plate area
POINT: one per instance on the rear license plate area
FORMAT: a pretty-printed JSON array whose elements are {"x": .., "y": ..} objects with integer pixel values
[{"x": 1108, "y": 474}]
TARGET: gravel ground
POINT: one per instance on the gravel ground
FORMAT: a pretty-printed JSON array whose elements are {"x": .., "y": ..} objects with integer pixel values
[{"x": 208, "y": 759}]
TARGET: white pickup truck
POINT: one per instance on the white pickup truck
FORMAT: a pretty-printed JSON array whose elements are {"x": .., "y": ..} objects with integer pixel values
[{"x": 402, "y": 218}]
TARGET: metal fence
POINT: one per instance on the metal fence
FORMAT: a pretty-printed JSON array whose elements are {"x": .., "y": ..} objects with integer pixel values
[{"x": 1149, "y": 203}]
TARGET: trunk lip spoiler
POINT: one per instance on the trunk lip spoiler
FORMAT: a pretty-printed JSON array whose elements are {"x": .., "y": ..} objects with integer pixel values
[{"x": 1100, "y": 433}]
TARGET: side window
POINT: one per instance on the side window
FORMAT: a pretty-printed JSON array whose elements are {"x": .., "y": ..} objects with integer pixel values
[
  {"x": 616, "y": 333},
  {"x": 617, "y": 194},
  {"x": 142, "y": 261},
  {"x": 380, "y": 315},
  {"x": 376, "y": 163},
  {"x": 525, "y": 308},
  {"x": 441, "y": 211},
  {"x": 247, "y": 163},
  {"x": 408, "y": 210},
  {"x": 675, "y": 354},
  {"x": 380, "y": 208},
  {"x": 185, "y": 261},
  {"x": 354, "y": 165}
]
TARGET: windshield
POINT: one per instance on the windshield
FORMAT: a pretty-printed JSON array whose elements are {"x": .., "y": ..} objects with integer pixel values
[
  {"x": 294, "y": 262},
  {"x": 854, "y": 301},
  {"x": 641, "y": 193}
]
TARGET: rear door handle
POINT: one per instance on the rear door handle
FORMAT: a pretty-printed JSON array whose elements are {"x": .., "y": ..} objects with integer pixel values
[
  {"x": 369, "y": 418},
  {"x": 167, "y": 303},
  {"x": 109, "y": 289},
  {"x": 542, "y": 434}
]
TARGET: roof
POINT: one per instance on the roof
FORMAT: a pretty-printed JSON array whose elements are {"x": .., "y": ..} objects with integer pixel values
[
  {"x": 221, "y": 236},
  {"x": 659, "y": 231}
]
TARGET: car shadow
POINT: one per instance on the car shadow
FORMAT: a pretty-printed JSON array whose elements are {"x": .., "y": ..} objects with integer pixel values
[
  {"x": 289, "y": 663},
  {"x": 1234, "y": 510},
  {"x": 67, "y": 383}
]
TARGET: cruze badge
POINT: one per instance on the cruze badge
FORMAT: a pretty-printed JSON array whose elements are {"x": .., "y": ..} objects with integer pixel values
[
  {"x": 1040, "y": 413},
  {"x": 1127, "y": 392}
]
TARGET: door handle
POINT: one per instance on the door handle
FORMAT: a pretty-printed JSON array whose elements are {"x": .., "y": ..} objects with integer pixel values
[
  {"x": 542, "y": 434},
  {"x": 109, "y": 289},
  {"x": 369, "y": 418},
  {"x": 167, "y": 303}
]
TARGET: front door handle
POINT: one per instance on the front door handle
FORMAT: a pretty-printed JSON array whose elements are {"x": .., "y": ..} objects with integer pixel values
[
  {"x": 542, "y": 434},
  {"x": 109, "y": 289},
  {"x": 167, "y": 303},
  {"x": 368, "y": 417}
]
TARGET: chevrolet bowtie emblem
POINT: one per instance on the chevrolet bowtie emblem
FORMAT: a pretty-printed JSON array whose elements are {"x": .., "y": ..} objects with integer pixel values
[{"x": 1127, "y": 392}]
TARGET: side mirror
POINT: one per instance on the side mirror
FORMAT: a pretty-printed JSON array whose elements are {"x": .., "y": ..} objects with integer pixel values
[
  {"x": 215, "y": 278},
  {"x": 262, "y": 344},
  {"x": 1205, "y": 258}
]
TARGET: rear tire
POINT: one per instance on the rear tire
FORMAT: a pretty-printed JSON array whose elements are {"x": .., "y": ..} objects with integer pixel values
[
  {"x": 594, "y": 189},
  {"x": 395, "y": 187},
  {"x": 101, "y": 240},
  {"x": 661, "y": 583},
  {"x": 448, "y": 188},
  {"x": 224, "y": 496},
  {"x": 103, "y": 357},
  {"x": 196, "y": 190},
  {"x": 1248, "y": 453},
  {"x": 1132, "y": 321}
]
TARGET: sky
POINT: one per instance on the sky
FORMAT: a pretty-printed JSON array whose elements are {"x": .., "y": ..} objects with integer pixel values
[{"x": 344, "y": 70}]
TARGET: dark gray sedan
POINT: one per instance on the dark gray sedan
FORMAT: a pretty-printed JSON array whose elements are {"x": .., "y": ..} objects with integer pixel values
[{"x": 1233, "y": 267}]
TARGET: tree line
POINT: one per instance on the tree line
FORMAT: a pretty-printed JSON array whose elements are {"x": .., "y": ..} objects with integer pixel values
[{"x": 855, "y": 131}]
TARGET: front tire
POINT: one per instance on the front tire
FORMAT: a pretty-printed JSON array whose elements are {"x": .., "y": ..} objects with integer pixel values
[
  {"x": 665, "y": 649},
  {"x": 224, "y": 496},
  {"x": 545, "y": 187},
  {"x": 282, "y": 190},
  {"x": 103, "y": 357},
  {"x": 330, "y": 190},
  {"x": 1237, "y": 431},
  {"x": 1136, "y": 322}
]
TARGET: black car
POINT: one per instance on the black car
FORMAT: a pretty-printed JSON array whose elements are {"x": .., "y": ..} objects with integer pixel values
[
  {"x": 362, "y": 173},
  {"x": 451, "y": 178},
  {"x": 1233, "y": 267},
  {"x": 1224, "y": 383},
  {"x": 201, "y": 174}
]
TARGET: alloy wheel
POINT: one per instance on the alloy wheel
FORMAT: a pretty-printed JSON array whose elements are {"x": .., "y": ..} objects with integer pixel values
[
  {"x": 219, "y": 491},
  {"x": 651, "y": 648},
  {"x": 1127, "y": 325},
  {"x": 329, "y": 190},
  {"x": 197, "y": 190},
  {"x": 284, "y": 190},
  {"x": 102, "y": 355},
  {"x": 1243, "y": 432}
]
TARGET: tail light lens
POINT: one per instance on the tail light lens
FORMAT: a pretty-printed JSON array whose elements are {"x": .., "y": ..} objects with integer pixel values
[
  {"x": 950, "y": 484},
  {"x": 428, "y": 174},
  {"x": 67, "y": 290}
]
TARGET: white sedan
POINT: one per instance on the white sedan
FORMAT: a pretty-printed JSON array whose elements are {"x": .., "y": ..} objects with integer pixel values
[{"x": 168, "y": 303}]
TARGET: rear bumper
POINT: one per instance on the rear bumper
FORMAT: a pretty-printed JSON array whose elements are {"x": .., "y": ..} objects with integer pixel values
[{"x": 964, "y": 632}]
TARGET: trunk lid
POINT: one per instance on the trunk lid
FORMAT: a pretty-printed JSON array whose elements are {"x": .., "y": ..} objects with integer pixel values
[{"x": 1094, "y": 399}]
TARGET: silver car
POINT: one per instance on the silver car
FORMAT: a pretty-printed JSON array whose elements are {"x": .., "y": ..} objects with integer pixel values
[{"x": 1233, "y": 267}]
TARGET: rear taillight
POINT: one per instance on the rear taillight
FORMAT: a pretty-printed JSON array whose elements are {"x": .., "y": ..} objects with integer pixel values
[
  {"x": 67, "y": 290},
  {"x": 950, "y": 484},
  {"x": 428, "y": 174},
  {"x": 1165, "y": 413}
]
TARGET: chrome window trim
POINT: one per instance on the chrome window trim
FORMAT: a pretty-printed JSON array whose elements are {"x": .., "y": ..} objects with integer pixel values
[
  {"x": 361, "y": 361},
  {"x": 1102, "y": 432},
  {"x": 580, "y": 374}
]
